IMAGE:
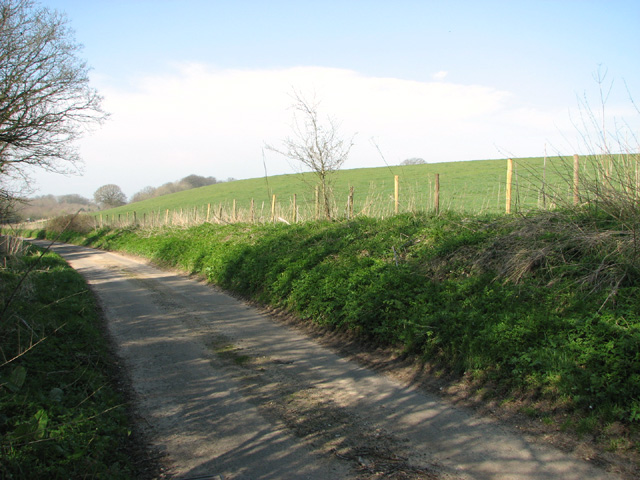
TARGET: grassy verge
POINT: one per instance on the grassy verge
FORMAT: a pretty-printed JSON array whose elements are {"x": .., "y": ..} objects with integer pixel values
[
  {"x": 61, "y": 414},
  {"x": 544, "y": 307}
]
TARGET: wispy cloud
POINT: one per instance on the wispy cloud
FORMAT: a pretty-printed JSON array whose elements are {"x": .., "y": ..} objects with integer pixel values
[{"x": 441, "y": 75}]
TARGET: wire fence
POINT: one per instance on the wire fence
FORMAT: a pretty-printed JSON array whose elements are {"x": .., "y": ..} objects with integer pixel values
[{"x": 517, "y": 193}]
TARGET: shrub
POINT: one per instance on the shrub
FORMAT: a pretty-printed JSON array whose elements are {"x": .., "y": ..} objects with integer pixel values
[{"x": 78, "y": 223}]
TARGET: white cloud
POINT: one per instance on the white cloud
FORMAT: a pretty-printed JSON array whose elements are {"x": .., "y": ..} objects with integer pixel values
[
  {"x": 206, "y": 121},
  {"x": 441, "y": 75}
]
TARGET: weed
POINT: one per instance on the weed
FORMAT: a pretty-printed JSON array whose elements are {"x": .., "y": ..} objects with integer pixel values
[
  {"x": 529, "y": 412},
  {"x": 587, "y": 425},
  {"x": 547, "y": 420},
  {"x": 229, "y": 352},
  {"x": 60, "y": 415},
  {"x": 77, "y": 223}
]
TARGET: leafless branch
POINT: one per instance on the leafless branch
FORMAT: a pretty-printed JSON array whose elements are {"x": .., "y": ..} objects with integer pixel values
[
  {"x": 46, "y": 102},
  {"x": 314, "y": 144}
]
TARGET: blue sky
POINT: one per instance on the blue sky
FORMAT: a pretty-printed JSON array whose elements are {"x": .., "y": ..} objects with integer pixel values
[{"x": 199, "y": 87}]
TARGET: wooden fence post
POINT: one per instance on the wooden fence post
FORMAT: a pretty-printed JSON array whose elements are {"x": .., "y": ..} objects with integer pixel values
[
  {"x": 235, "y": 213},
  {"x": 273, "y": 208},
  {"x": 166, "y": 217},
  {"x": 317, "y": 203},
  {"x": 436, "y": 195},
  {"x": 208, "y": 212},
  {"x": 252, "y": 212},
  {"x": 350, "y": 203},
  {"x": 509, "y": 181},
  {"x": 544, "y": 179},
  {"x": 295, "y": 208},
  {"x": 576, "y": 179},
  {"x": 396, "y": 195}
]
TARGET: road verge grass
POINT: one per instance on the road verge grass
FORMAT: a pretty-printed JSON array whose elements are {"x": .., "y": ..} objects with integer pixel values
[{"x": 61, "y": 413}]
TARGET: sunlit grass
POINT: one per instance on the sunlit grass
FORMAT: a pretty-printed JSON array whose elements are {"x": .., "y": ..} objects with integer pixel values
[{"x": 471, "y": 186}]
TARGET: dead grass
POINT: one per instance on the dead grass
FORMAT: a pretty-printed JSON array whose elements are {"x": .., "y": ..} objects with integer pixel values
[{"x": 554, "y": 245}]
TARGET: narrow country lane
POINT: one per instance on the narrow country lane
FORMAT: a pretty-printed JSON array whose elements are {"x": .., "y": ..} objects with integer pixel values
[{"x": 229, "y": 393}]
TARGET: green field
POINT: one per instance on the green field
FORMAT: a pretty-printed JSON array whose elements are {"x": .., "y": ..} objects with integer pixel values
[{"x": 471, "y": 186}]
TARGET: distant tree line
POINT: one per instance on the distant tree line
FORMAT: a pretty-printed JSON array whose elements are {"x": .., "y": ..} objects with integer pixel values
[
  {"x": 47, "y": 206},
  {"x": 187, "y": 183},
  {"x": 107, "y": 196},
  {"x": 110, "y": 195}
]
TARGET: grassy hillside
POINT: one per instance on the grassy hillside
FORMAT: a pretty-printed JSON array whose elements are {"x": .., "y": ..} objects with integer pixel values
[{"x": 471, "y": 186}]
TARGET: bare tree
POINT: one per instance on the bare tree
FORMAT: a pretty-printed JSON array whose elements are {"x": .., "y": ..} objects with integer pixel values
[
  {"x": 73, "y": 198},
  {"x": 45, "y": 98},
  {"x": 144, "y": 194},
  {"x": 110, "y": 196},
  {"x": 8, "y": 210},
  {"x": 315, "y": 144}
]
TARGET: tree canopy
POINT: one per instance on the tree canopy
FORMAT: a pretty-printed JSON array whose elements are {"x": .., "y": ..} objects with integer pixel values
[
  {"x": 186, "y": 183},
  {"x": 109, "y": 196},
  {"x": 46, "y": 102}
]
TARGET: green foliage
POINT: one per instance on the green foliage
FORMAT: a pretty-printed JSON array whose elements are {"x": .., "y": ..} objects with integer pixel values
[
  {"x": 546, "y": 304},
  {"x": 60, "y": 415},
  {"x": 80, "y": 224}
]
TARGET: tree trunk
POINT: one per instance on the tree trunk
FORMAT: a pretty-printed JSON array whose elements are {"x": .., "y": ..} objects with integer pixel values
[{"x": 325, "y": 198}]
